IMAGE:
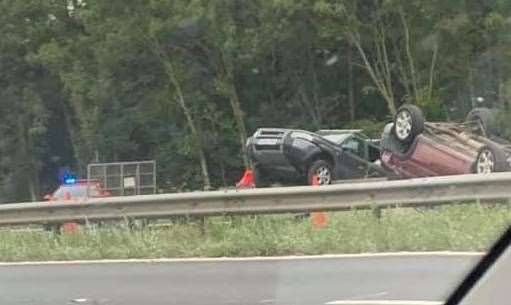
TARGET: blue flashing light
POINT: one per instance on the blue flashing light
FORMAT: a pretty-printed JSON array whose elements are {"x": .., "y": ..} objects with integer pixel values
[
  {"x": 67, "y": 177},
  {"x": 69, "y": 180}
]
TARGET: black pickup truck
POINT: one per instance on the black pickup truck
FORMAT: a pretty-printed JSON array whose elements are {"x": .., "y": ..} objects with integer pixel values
[{"x": 299, "y": 157}]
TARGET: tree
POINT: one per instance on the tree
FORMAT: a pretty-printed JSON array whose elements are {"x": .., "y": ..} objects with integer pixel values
[
  {"x": 24, "y": 98},
  {"x": 185, "y": 82}
]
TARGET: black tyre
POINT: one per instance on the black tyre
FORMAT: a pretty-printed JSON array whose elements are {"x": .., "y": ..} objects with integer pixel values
[
  {"x": 490, "y": 158},
  {"x": 261, "y": 179},
  {"x": 408, "y": 123},
  {"x": 483, "y": 120},
  {"x": 320, "y": 170}
]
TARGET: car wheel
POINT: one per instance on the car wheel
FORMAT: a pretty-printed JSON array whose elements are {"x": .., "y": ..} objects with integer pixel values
[
  {"x": 483, "y": 121},
  {"x": 490, "y": 159},
  {"x": 408, "y": 123},
  {"x": 322, "y": 170}
]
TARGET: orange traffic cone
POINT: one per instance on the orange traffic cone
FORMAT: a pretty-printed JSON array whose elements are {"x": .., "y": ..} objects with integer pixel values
[
  {"x": 318, "y": 219},
  {"x": 70, "y": 227},
  {"x": 247, "y": 181}
]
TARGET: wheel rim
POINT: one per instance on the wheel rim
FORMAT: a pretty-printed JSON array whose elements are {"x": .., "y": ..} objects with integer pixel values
[
  {"x": 485, "y": 162},
  {"x": 403, "y": 124},
  {"x": 323, "y": 175}
]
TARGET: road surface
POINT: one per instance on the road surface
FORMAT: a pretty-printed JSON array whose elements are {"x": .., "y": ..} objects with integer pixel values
[{"x": 290, "y": 282}]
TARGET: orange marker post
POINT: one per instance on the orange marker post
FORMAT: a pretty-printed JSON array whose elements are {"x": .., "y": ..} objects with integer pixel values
[
  {"x": 69, "y": 227},
  {"x": 318, "y": 219}
]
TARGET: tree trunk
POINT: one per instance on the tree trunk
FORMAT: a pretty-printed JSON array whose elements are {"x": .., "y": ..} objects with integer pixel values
[
  {"x": 191, "y": 124},
  {"x": 471, "y": 88},
  {"x": 351, "y": 83},
  {"x": 306, "y": 104},
  {"x": 379, "y": 77},
  {"x": 73, "y": 135},
  {"x": 502, "y": 95},
  {"x": 169, "y": 69},
  {"x": 29, "y": 173},
  {"x": 315, "y": 94},
  {"x": 411, "y": 61},
  {"x": 226, "y": 76},
  {"x": 432, "y": 72},
  {"x": 32, "y": 190},
  {"x": 240, "y": 123},
  {"x": 403, "y": 74}
]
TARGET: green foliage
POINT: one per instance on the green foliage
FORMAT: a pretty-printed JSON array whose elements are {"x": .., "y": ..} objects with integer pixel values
[
  {"x": 504, "y": 123},
  {"x": 469, "y": 227},
  {"x": 371, "y": 127},
  {"x": 92, "y": 82}
]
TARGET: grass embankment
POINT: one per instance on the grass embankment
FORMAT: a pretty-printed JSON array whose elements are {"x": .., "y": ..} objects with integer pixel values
[{"x": 458, "y": 228}]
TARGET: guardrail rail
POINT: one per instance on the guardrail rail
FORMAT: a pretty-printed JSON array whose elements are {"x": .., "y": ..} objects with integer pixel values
[{"x": 361, "y": 195}]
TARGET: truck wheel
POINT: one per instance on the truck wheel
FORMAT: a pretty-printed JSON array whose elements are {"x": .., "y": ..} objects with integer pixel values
[
  {"x": 320, "y": 170},
  {"x": 408, "y": 123},
  {"x": 484, "y": 121},
  {"x": 490, "y": 159}
]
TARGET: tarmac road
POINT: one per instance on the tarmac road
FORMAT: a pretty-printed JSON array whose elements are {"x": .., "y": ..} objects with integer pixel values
[{"x": 312, "y": 281}]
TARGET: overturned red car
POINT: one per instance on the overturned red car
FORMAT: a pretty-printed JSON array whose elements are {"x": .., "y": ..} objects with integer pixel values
[{"x": 413, "y": 147}]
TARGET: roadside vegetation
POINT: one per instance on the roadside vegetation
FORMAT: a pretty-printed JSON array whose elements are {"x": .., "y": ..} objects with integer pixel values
[
  {"x": 184, "y": 82},
  {"x": 469, "y": 227}
]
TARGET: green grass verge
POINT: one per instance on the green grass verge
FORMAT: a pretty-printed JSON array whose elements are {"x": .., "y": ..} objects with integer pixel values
[{"x": 468, "y": 227}]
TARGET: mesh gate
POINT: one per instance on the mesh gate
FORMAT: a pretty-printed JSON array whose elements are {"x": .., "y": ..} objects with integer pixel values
[{"x": 125, "y": 178}]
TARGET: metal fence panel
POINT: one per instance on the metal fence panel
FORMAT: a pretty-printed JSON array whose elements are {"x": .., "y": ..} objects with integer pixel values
[{"x": 125, "y": 178}]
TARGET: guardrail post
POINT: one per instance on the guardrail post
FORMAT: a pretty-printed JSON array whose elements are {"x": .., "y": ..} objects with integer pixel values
[
  {"x": 376, "y": 212},
  {"x": 202, "y": 224},
  {"x": 198, "y": 220}
]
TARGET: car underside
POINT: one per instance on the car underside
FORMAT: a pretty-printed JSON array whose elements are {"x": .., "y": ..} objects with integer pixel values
[{"x": 414, "y": 148}]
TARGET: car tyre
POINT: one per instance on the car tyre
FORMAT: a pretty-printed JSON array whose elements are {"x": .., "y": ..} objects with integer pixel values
[
  {"x": 490, "y": 159},
  {"x": 484, "y": 121},
  {"x": 408, "y": 123},
  {"x": 323, "y": 170}
]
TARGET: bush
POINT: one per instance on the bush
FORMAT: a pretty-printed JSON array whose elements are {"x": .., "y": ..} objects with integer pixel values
[{"x": 371, "y": 127}]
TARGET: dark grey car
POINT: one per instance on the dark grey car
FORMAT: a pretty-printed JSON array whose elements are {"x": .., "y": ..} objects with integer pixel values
[{"x": 299, "y": 157}]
